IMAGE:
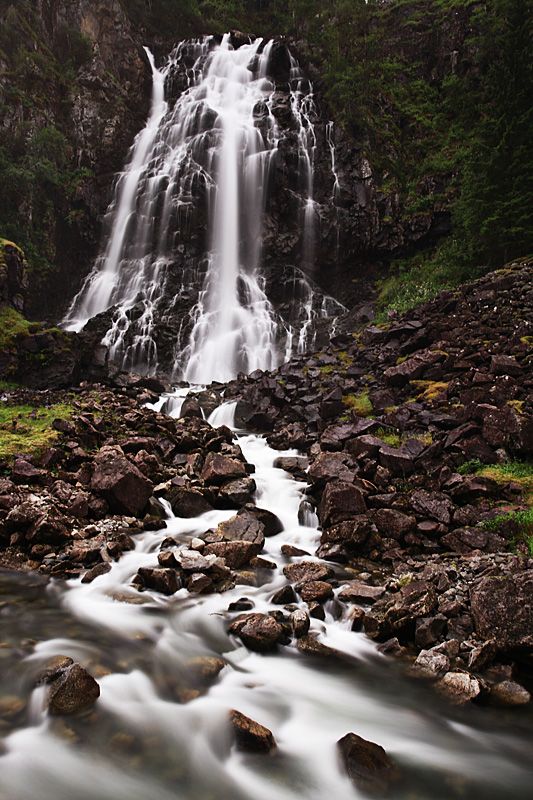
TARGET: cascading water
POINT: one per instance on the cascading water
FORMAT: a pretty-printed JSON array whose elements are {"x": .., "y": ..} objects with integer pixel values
[{"x": 212, "y": 149}]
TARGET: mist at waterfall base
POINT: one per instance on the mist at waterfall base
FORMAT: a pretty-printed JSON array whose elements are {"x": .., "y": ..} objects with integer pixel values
[
  {"x": 139, "y": 741},
  {"x": 219, "y": 141}
]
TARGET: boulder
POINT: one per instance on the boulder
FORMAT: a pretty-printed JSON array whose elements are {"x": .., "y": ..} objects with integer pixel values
[
  {"x": 351, "y": 534},
  {"x": 502, "y": 608},
  {"x": 160, "y": 579},
  {"x": 120, "y": 483},
  {"x": 509, "y": 693},
  {"x": 460, "y": 687},
  {"x": 235, "y": 554},
  {"x": 307, "y": 571},
  {"x": 24, "y": 472},
  {"x": 434, "y": 505},
  {"x": 340, "y": 501},
  {"x": 250, "y": 736},
  {"x": 368, "y": 765},
  {"x": 236, "y": 493},
  {"x": 258, "y": 632},
  {"x": 394, "y": 612},
  {"x": 219, "y": 469},
  {"x": 316, "y": 590},
  {"x": 393, "y": 524},
  {"x": 73, "y": 689},
  {"x": 272, "y": 524},
  {"x": 358, "y": 592},
  {"x": 308, "y": 644},
  {"x": 331, "y": 466},
  {"x": 187, "y": 503}
]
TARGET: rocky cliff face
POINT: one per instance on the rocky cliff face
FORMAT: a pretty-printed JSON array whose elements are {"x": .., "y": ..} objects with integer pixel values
[{"x": 76, "y": 69}]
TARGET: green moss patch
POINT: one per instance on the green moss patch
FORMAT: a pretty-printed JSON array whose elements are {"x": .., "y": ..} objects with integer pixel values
[{"x": 24, "y": 429}]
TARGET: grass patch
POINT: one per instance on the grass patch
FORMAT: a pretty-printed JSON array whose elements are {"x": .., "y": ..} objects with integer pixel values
[
  {"x": 516, "y": 527},
  {"x": 520, "y": 472},
  {"x": 12, "y": 326},
  {"x": 428, "y": 390},
  {"x": 360, "y": 403},
  {"x": 24, "y": 429}
]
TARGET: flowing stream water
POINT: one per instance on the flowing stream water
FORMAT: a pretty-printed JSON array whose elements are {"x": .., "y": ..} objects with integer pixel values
[{"x": 139, "y": 741}]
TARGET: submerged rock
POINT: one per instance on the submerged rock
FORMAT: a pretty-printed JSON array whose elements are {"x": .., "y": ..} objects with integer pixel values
[
  {"x": 72, "y": 689},
  {"x": 250, "y": 736},
  {"x": 367, "y": 765}
]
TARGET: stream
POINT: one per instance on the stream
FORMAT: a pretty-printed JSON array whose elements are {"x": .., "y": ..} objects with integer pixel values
[{"x": 139, "y": 741}]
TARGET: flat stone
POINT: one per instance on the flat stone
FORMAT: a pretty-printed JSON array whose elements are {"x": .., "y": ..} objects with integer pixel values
[{"x": 358, "y": 592}]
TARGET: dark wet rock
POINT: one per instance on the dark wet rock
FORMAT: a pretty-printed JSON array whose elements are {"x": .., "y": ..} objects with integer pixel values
[
  {"x": 352, "y": 534},
  {"x": 464, "y": 540},
  {"x": 502, "y": 608},
  {"x": 368, "y": 765},
  {"x": 398, "y": 462},
  {"x": 236, "y": 554},
  {"x": 429, "y": 629},
  {"x": 250, "y": 736},
  {"x": 294, "y": 465},
  {"x": 161, "y": 579},
  {"x": 187, "y": 502},
  {"x": 203, "y": 670},
  {"x": 292, "y": 552},
  {"x": 393, "y": 524},
  {"x": 72, "y": 690},
  {"x": 509, "y": 694},
  {"x": 316, "y": 590},
  {"x": 24, "y": 472},
  {"x": 309, "y": 645},
  {"x": 395, "y": 612},
  {"x": 258, "y": 632},
  {"x": 482, "y": 656},
  {"x": 284, "y": 596},
  {"x": 191, "y": 408},
  {"x": 237, "y": 493},
  {"x": 391, "y": 647},
  {"x": 94, "y": 572},
  {"x": 307, "y": 571},
  {"x": 358, "y": 592},
  {"x": 340, "y": 501},
  {"x": 199, "y": 583},
  {"x": 272, "y": 524},
  {"x": 220, "y": 468},
  {"x": 331, "y": 466},
  {"x": 434, "y": 505},
  {"x": 120, "y": 483},
  {"x": 300, "y": 622}
]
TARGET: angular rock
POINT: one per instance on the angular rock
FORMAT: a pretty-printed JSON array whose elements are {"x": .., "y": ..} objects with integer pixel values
[
  {"x": 393, "y": 524},
  {"x": 316, "y": 590},
  {"x": 331, "y": 466},
  {"x": 394, "y": 612},
  {"x": 250, "y": 736},
  {"x": 220, "y": 468},
  {"x": 187, "y": 503},
  {"x": 161, "y": 579},
  {"x": 300, "y": 622},
  {"x": 258, "y": 632},
  {"x": 434, "y": 505},
  {"x": 460, "y": 687},
  {"x": 502, "y": 607},
  {"x": 236, "y": 493},
  {"x": 368, "y": 765},
  {"x": 72, "y": 690},
  {"x": 120, "y": 483},
  {"x": 307, "y": 571},
  {"x": 351, "y": 534},
  {"x": 235, "y": 554},
  {"x": 340, "y": 501},
  {"x": 308, "y": 644},
  {"x": 358, "y": 592},
  {"x": 271, "y": 523}
]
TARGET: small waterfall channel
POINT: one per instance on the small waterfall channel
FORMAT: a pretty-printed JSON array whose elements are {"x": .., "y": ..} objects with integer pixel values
[
  {"x": 214, "y": 147},
  {"x": 138, "y": 741}
]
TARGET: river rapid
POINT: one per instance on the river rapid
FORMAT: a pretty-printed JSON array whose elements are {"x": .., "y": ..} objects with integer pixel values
[{"x": 142, "y": 740}]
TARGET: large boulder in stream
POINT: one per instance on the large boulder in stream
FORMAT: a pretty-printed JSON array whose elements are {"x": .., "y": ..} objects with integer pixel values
[
  {"x": 72, "y": 689},
  {"x": 258, "y": 632},
  {"x": 368, "y": 765},
  {"x": 120, "y": 483},
  {"x": 250, "y": 736}
]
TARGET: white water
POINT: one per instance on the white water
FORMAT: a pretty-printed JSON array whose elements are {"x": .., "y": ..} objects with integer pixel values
[
  {"x": 142, "y": 743},
  {"x": 219, "y": 139}
]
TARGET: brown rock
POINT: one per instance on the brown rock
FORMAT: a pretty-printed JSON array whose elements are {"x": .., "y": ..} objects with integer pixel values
[
  {"x": 220, "y": 468},
  {"x": 235, "y": 554},
  {"x": 340, "y": 501},
  {"x": 258, "y": 632},
  {"x": 250, "y": 736},
  {"x": 307, "y": 571},
  {"x": 502, "y": 607},
  {"x": 316, "y": 590},
  {"x": 72, "y": 690},
  {"x": 120, "y": 483},
  {"x": 509, "y": 693},
  {"x": 358, "y": 592},
  {"x": 367, "y": 765}
]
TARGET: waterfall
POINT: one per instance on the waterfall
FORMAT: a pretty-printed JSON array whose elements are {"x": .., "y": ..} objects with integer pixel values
[{"x": 203, "y": 162}]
